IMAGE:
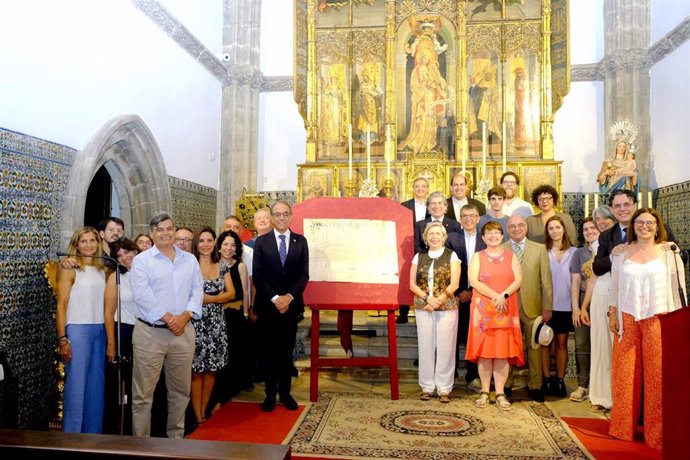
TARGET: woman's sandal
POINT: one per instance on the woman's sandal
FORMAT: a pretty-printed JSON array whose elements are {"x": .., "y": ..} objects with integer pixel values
[
  {"x": 483, "y": 400},
  {"x": 444, "y": 398},
  {"x": 425, "y": 396},
  {"x": 502, "y": 402}
]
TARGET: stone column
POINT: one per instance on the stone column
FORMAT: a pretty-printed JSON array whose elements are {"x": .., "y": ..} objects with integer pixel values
[
  {"x": 626, "y": 74},
  {"x": 240, "y": 105}
]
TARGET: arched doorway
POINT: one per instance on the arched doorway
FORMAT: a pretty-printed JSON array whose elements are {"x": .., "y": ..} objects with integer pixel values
[{"x": 125, "y": 147}]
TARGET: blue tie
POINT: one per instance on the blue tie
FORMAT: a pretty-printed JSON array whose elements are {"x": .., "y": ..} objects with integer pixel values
[{"x": 282, "y": 249}]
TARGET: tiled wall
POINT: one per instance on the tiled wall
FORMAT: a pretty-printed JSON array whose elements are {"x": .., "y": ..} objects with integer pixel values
[
  {"x": 32, "y": 184},
  {"x": 193, "y": 205}
]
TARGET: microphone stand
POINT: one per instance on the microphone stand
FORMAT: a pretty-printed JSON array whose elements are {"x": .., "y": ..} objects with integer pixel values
[
  {"x": 118, "y": 358},
  {"x": 681, "y": 294}
]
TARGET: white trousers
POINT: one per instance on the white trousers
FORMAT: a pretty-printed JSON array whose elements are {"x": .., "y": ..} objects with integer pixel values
[
  {"x": 436, "y": 335},
  {"x": 601, "y": 341}
]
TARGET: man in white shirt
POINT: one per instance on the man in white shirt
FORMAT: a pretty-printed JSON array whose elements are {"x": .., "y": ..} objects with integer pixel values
[
  {"x": 512, "y": 204},
  {"x": 459, "y": 198},
  {"x": 168, "y": 291}
]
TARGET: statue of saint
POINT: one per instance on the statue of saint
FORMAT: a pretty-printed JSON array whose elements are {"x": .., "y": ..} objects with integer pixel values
[
  {"x": 333, "y": 112},
  {"x": 619, "y": 172}
]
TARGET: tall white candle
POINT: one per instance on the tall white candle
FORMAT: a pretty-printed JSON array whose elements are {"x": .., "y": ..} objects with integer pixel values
[
  {"x": 349, "y": 151},
  {"x": 390, "y": 145},
  {"x": 483, "y": 149},
  {"x": 504, "y": 147},
  {"x": 639, "y": 200},
  {"x": 596, "y": 200},
  {"x": 649, "y": 200},
  {"x": 368, "y": 153},
  {"x": 586, "y": 204},
  {"x": 463, "y": 141}
]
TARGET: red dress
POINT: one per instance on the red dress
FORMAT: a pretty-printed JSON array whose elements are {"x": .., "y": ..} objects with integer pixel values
[{"x": 492, "y": 334}]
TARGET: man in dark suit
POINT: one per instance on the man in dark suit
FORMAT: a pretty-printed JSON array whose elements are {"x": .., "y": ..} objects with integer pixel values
[
  {"x": 437, "y": 207},
  {"x": 417, "y": 204},
  {"x": 459, "y": 198},
  {"x": 612, "y": 241},
  {"x": 465, "y": 244},
  {"x": 281, "y": 272}
]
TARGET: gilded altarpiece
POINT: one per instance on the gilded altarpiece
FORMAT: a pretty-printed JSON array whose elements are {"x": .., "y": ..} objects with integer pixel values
[{"x": 391, "y": 90}]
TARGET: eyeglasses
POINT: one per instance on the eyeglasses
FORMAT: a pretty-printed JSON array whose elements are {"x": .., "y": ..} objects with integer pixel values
[
  {"x": 515, "y": 226},
  {"x": 469, "y": 216},
  {"x": 541, "y": 199},
  {"x": 184, "y": 240},
  {"x": 623, "y": 205},
  {"x": 493, "y": 233},
  {"x": 284, "y": 215},
  {"x": 647, "y": 223}
]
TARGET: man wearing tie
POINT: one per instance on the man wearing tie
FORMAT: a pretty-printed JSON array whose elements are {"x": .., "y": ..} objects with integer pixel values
[
  {"x": 281, "y": 272},
  {"x": 465, "y": 244},
  {"x": 437, "y": 207},
  {"x": 535, "y": 296}
]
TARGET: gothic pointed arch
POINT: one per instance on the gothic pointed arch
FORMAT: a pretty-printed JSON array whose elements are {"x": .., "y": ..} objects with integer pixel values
[{"x": 130, "y": 154}]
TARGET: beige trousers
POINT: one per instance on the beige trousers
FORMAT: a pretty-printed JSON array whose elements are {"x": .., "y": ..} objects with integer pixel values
[{"x": 154, "y": 349}]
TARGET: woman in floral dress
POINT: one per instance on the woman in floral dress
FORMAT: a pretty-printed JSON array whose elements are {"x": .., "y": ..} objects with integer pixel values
[{"x": 211, "y": 352}]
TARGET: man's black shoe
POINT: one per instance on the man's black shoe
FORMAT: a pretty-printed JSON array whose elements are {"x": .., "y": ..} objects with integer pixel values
[
  {"x": 289, "y": 402},
  {"x": 547, "y": 386},
  {"x": 402, "y": 319},
  {"x": 269, "y": 404},
  {"x": 560, "y": 389},
  {"x": 536, "y": 395}
]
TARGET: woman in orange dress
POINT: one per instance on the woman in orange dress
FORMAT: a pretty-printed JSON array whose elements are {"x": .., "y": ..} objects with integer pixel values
[{"x": 494, "y": 339}]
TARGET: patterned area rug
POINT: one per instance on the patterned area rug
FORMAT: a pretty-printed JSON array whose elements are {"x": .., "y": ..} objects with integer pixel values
[{"x": 349, "y": 425}]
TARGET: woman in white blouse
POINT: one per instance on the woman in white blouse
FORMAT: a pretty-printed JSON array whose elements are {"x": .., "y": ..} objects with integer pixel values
[
  {"x": 643, "y": 286},
  {"x": 434, "y": 278}
]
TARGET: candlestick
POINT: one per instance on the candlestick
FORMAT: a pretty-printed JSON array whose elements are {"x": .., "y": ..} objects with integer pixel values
[
  {"x": 504, "y": 146},
  {"x": 649, "y": 200},
  {"x": 349, "y": 152},
  {"x": 463, "y": 140},
  {"x": 586, "y": 204},
  {"x": 368, "y": 153},
  {"x": 639, "y": 200},
  {"x": 483, "y": 149},
  {"x": 596, "y": 200}
]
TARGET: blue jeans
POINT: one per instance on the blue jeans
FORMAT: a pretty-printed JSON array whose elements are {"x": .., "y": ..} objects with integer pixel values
[{"x": 83, "y": 394}]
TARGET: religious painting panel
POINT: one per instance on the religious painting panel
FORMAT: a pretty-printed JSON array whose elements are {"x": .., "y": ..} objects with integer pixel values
[
  {"x": 523, "y": 89},
  {"x": 314, "y": 181},
  {"x": 396, "y": 177},
  {"x": 367, "y": 94},
  {"x": 369, "y": 13},
  {"x": 332, "y": 13},
  {"x": 523, "y": 9},
  {"x": 534, "y": 176},
  {"x": 359, "y": 173},
  {"x": 425, "y": 57}
]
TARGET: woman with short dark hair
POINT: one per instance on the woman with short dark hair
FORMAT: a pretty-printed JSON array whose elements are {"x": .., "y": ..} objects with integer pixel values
[{"x": 546, "y": 198}]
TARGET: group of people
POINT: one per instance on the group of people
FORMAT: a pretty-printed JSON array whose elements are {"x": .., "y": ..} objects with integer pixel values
[
  {"x": 208, "y": 310},
  {"x": 501, "y": 280}
]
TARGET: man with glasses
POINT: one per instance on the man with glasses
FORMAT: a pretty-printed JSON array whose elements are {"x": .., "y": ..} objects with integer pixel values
[
  {"x": 535, "y": 296},
  {"x": 512, "y": 204},
  {"x": 459, "y": 198},
  {"x": 281, "y": 272},
  {"x": 183, "y": 238},
  {"x": 612, "y": 242},
  {"x": 465, "y": 244}
]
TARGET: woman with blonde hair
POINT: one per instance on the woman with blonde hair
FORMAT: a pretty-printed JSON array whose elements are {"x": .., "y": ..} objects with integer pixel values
[
  {"x": 81, "y": 333},
  {"x": 434, "y": 278}
]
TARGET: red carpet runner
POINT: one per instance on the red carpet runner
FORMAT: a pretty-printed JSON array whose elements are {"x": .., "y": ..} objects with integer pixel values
[
  {"x": 594, "y": 434},
  {"x": 240, "y": 421}
]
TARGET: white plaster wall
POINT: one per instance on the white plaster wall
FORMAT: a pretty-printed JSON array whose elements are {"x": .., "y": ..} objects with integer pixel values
[
  {"x": 70, "y": 66},
  {"x": 579, "y": 135},
  {"x": 203, "y": 18},
  {"x": 282, "y": 141},
  {"x": 277, "y": 26},
  {"x": 666, "y": 15},
  {"x": 586, "y": 31},
  {"x": 670, "y": 123}
]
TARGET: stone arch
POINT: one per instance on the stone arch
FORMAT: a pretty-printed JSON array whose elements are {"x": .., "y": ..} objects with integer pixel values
[{"x": 129, "y": 152}]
